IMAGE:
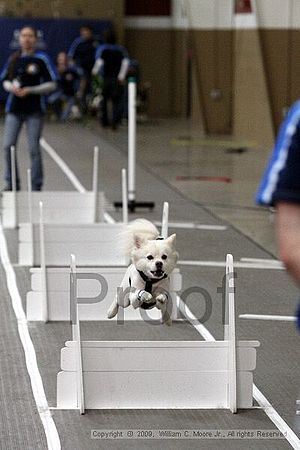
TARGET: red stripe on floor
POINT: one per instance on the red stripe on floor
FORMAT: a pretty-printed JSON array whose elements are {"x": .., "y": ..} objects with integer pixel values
[{"x": 203, "y": 178}]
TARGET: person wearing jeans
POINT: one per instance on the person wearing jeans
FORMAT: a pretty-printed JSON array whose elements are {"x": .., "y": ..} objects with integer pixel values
[
  {"x": 34, "y": 124},
  {"x": 27, "y": 76}
]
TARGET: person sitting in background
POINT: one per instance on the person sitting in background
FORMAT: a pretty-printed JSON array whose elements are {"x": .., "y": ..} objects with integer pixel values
[
  {"x": 280, "y": 187},
  {"x": 27, "y": 76},
  {"x": 82, "y": 53},
  {"x": 112, "y": 64},
  {"x": 70, "y": 87}
]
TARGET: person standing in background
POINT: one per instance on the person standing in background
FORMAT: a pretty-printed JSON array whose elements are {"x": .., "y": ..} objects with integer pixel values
[
  {"x": 112, "y": 63},
  {"x": 82, "y": 53},
  {"x": 27, "y": 76}
]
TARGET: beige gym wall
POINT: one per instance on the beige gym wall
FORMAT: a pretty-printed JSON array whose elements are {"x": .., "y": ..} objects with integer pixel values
[
  {"x": 281, "y": 50},
  {"x": 162, "y": 55},
  {"x": 154, "y": 50},
  {"x": 212, "y": 52}
]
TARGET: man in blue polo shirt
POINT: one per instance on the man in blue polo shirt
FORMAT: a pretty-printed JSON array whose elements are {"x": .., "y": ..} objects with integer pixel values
[
  {"x": 112, "y": 64},
  {"x": 82, "y": 53},
  {"x": 280, "y": 187}
]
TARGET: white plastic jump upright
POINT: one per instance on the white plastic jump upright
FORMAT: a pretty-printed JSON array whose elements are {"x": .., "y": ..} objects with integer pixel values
[
  {"x": 124, "y": 196},
  {"x": 131, "y": 140},
  {"x": 165, "y": 221},
  {"x": 15, "y": 216},
  {"x": 229, "y": 333},
  {"x": 59, "y": 206},
  {"x": 132, "y": 203},
  {"x": 77, "y": 338},
  {"x": 157, "y": 374}
]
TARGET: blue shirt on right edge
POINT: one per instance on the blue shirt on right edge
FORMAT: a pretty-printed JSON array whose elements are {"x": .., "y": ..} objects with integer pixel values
[{"x": 281, "y": 180}]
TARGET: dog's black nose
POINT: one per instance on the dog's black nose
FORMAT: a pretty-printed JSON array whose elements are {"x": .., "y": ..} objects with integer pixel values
[{"x": 159, "y": 264}]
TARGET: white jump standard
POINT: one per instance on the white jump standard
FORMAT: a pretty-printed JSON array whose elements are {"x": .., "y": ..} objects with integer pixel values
[
  {"x": 132, "y": 203},
  {"x": 158, "y": 374},
  {"x": 20, "y": 207}
]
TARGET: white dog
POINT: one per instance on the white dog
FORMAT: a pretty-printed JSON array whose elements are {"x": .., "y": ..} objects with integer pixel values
[{"x": 153, "y": 259}]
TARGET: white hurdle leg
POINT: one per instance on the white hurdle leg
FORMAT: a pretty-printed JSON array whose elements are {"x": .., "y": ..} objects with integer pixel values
[
  {"x": 43, "y": 265},
  {"x": 14, "y": 184},
  {"x": 131, "y": 139},
  {"x": 124, "y": 196},
  {"x": 30, "y": 212},
  {"x": 165, "y": 221},
  {"x": 230, "y": 334},
  {"x": 95, "y": 183},
  {"x": 76, "y": 337}
]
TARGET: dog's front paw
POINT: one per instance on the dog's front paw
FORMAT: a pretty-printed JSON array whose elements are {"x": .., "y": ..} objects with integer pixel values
[
  {"x": 135, "y": 302},
  {"x": 141, "y": 297},
  {"x": 161, "y": 298},
  {"x": 145, "y": 296}
]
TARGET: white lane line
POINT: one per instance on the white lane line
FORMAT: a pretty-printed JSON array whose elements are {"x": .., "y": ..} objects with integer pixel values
[
  {"x": 185, "y": 310},
  {"x": 194, "y": 225},
  {"x": 51, "y": 433},
  {"x": 108, "y": 218},
  {"x": 237, "y": 264},
  {"x": 275, "y": 262},
  {"x": 268, "y": 317},
  {"x": 271, "y": 412},
  {"x": 266, "y": 406},
  {"x": 61, "y": 163}
]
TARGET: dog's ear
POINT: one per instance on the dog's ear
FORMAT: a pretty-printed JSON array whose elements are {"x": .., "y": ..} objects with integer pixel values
[
  {"x": 139, "y": 241},
  {"x": 171, "y": 240}
]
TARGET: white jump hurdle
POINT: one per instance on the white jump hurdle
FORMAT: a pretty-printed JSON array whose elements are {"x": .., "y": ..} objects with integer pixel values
[
  {"x": 49, "y": 298},
  {"x": 95, "y": 244},
  {"x": 158, "y": 374},
  {"x": 59, "y": 206}
]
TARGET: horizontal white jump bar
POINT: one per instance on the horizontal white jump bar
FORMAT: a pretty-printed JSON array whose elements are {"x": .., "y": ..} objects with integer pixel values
[
  {"x": 268, "y": 317},
  {"x": 159, "y": 344},
  {"x": 192, "y": 225},
  {"x": 237, "y": 264}
]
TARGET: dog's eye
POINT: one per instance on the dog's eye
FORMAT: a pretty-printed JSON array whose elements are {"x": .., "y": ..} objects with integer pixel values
[
  {"x": 149, "y": 257},
  {"x": 164, "y": 257}
]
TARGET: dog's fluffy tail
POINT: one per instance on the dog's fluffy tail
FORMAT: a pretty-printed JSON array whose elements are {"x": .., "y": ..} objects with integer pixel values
[{"x": 140, "y": 228}]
